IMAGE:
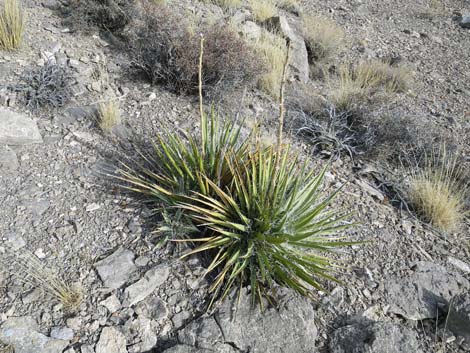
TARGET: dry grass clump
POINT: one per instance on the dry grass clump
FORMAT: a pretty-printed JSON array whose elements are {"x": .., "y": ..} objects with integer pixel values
[
  {"x": 273, "y": 50},
  {"x": 368, "y": 82},
  {"x": 226, "y": 4},
  {"x": 263, "y": 9},
  {"x": 323, "y": 37},
  {"x": 167, "y": 52},
  {"x": 437, "y": 192},
  {"x": 29, "y": 269},
  {"x": 108, "y": 114},
  {"x": 11, "y": 25}
]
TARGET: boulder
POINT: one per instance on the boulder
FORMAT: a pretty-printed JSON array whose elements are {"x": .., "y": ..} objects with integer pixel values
[
  {"x": 23, "y": 334},
  {"x": 17, "y": 129},
  {"x": 459, "y": 316},
  {"x": 465, "y": 20},
  {"x": 116, "y": 269},
  {"x": 373, "y": 337},
  {"x": 298, "y": 57},
  {"x": 419, "y": 295},
  {"x": 249, "y": 329}
]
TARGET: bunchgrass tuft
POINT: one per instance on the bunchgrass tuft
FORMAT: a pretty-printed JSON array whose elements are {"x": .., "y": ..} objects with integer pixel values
[
  {"x": 108, "y": 114},
  {"x": 273, "y": 49},
  {"x": 263, "y": 9},
  {"x": 11, "y": 25},
  {"x": 323, "y": 37},
  {"x": 437, "y": 192},
  {"x": 30, "y": 270}
]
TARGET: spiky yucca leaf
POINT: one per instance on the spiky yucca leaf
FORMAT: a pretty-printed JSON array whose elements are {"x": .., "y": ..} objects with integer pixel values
[
  {"x": 270, "y": 226},
  {"x": 171, "y": 173}
]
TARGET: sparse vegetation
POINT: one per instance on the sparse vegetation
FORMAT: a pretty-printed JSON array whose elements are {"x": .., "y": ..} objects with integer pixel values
[
  {"x": 437, "y": 193},
  {"x": 259, "y": 211},
  {"x": 273, "y": 50},
  {"x": 11, "y": 25},
  {"x": 289, "y": 5},
  {"x": 30, "y": 270},
  {"x": 109, "y": 115},
  {"x": 323, "y": 37},
  {"x": 167, "y": 52},
  {"x": 49, "y": 86},
  {"x": 226, "y": 4}
]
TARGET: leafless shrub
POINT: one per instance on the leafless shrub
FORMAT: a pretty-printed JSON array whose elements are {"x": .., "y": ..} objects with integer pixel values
[
  {"x": 49, "y": 86},
  {"x": 167, "y": 52}
]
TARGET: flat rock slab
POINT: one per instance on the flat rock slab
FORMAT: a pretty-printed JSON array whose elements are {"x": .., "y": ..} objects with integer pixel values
[
  {"x": 22, "y": 333},
  {"x": 116, "y": 269},
  {"x": 8, "y": 160},
  {"x": 111, "y": 341},
  {"x": 17, "y": 129},
  {"x": 374, "y": 337},
  {"x": 419, "y": 295},
  {"x": 252, "y": 330},
  {"x": 145, "y": 286}
]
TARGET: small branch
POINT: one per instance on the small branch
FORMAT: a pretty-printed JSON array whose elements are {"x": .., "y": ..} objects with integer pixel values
[{"x": 281, "y": 98}]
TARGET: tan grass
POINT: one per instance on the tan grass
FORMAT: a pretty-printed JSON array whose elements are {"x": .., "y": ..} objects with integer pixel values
[
  {"x": 109, "y": 115},
  {"x": 437, "y": 193},
  {"x": 30, "y": 270},
  {"x": 263, "y": 9},
  {"x": 288, "y": 5},
  {"x": 323, "y": 37},
  {"x": 11, "y": 25},
  {"x": 368, "y": 82},
  {"x": 273, "y": 50},
  {"x": 226, "y": 4}
]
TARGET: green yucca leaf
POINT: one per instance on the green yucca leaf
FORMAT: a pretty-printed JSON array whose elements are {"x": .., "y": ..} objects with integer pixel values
[{"x": 272, "y": 215}]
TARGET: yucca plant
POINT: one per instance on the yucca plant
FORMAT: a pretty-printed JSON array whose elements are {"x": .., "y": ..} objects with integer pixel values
[
  {"x": 171, "y": 172},
  {"x": 11, "y": 25},
  {"x": 261, "y": 229}
]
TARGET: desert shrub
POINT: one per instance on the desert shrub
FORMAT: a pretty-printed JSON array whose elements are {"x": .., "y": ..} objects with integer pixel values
[
  {"x": 437, "y": 192},
  {"x": 49, "y": 86},
  {"x": 289, "y": 5},
  {"x": 168, "y": 53},
  {"x": 108, "y": 114},
  {"x": 273, "y": 49},
  {"x": 263, "y": 9},
  {"x": 109, "y": 15},
  {"x": 323, "y": 37},
  {"x": 11, "y": 25}
]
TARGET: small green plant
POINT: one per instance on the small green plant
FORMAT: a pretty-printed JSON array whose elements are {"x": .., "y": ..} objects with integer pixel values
[
  {"x": 11, "y": 25},
  {"x": 109, "y": 115},
  {"x": 437, "y": 192},
  {"x": 323, "y": 37}
]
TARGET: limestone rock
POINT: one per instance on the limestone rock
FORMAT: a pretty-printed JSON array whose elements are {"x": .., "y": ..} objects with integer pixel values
[
  {"x": 111, "y": 341},
  {"x": 374, "y": 337},
  {"x": 249, "y": 329},
  {"x": 417, "y": 296},
  {"x": 116, "y": 269},
  {"x": 145, "y": 286},
  {"x": 23, "y": 334},
  {"x": 459, "y": 316},
  {"x": 17, "y": 129}
]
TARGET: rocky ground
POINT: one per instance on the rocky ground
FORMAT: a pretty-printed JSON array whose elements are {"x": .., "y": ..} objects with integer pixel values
[{"x": 405, "y": 290}]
